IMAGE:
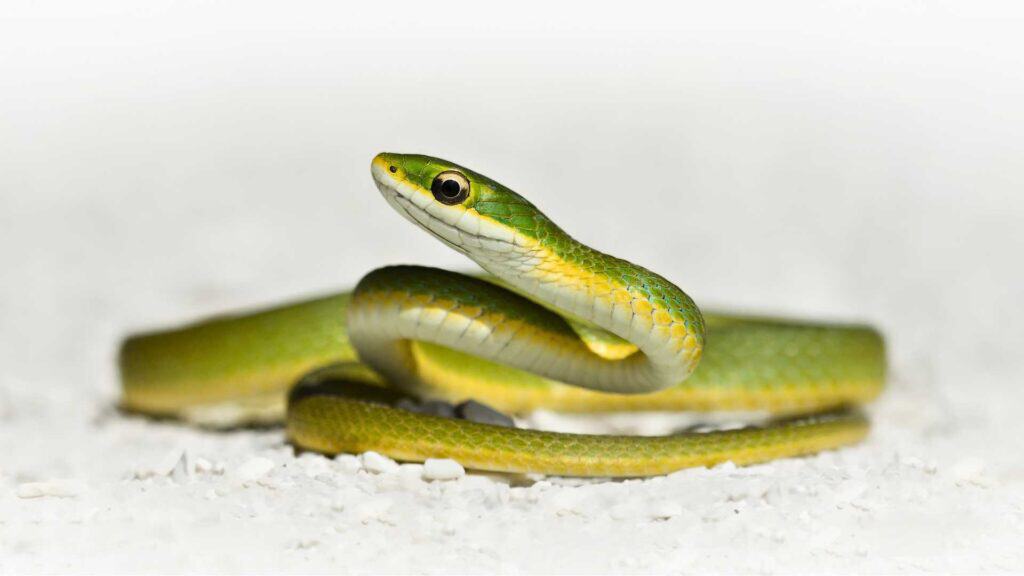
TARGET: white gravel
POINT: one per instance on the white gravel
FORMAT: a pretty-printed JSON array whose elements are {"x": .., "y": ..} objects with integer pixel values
[
  {"x": 442, "y": 469},
  {"x": 58, "y": 488},
  {"x": 254, "y": 469},
  {"x": 377, "y": 464},
  {"x": 164, "y": 161}
]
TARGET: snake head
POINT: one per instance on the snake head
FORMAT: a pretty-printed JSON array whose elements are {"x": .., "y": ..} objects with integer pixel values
[{"x": 463, "y": 208}]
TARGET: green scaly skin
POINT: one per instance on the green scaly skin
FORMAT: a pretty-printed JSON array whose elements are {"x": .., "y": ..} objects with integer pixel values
[{"x": 565, "y": 311}]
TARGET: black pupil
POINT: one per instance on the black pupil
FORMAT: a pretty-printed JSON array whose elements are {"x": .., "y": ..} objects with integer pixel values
[{"x": 450, "y": 188}]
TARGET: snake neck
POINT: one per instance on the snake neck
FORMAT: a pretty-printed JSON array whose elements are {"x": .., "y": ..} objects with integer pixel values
[{"x": 618, "y": 296}]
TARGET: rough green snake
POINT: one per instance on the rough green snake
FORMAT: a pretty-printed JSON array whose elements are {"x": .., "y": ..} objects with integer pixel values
[{"x": 556, "y": 325}]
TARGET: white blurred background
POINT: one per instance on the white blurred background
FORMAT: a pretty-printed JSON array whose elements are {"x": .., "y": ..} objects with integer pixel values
[
  {"x": 863, "y": 161},
  {"x": 839, "y": 159}
]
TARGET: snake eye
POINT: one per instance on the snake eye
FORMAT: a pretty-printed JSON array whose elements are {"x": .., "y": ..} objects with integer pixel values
[{"x": 450, "y": 187}]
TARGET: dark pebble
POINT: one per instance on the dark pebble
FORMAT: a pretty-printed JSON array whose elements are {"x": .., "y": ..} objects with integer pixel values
[
  {"x": 438, "y": 408},
  {"x": 478, "y": 412}
]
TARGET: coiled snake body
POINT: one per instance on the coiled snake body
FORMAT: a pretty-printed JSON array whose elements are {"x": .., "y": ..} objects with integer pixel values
[{"x": 559, "y": 325}]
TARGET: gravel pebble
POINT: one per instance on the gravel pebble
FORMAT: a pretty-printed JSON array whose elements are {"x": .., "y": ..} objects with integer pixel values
[
  {"x": 442, "y": 469},
  {"x": 428, "y": 407},
  {"x": 478, "y": 412},
  {"x": 55, "y": 488},
  {"x": 168, "y": 463},
  {"x": 254, "y": 469},
  {"x": 348, "y": 463},
  {"x": 377, "y": 463}
]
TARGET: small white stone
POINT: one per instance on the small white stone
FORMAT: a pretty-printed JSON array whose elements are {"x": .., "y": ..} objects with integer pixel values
[
  {"x": 410, "y": 475},
  {"x": 171, "y": 460},
  {"x": 254, "y": 469},
  {"x": 410, "y": 470},
  {"x": 201, "y": 466},
  {"x": 313, "y": 465},
  {"x": 181, "y": 471},
  {"x": 727, "y": 466},
  {"x": 442, "y": 469},
  {"x": 348, "y": 463},
  {"x": 165, "y": 466},
  {"x": 378, "y": 464},
  {"x": 56, "y": 488}
]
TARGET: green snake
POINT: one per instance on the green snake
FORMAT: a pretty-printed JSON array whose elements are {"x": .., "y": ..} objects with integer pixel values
[{"x": 555, "y": 324}]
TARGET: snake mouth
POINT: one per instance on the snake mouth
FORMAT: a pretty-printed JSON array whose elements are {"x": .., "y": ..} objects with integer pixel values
[{"x": 421, "y": 218}]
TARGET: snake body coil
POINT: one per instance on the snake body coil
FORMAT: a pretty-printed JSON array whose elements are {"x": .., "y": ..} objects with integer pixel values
[{"x": 559, "y": 326}]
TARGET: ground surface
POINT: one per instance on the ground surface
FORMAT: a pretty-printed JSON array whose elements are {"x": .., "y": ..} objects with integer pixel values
[{"x": 166, "y": 163}]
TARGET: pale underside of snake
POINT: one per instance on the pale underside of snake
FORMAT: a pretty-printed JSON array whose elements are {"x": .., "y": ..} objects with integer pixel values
[{"x": 556, "y": 325}]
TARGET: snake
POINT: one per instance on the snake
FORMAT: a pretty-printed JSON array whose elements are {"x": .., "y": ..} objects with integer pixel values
[{"x": 551, "y": 324}]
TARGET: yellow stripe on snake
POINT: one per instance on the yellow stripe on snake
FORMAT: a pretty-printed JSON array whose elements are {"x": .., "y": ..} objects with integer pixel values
[{"x": 556, "y": 325}]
